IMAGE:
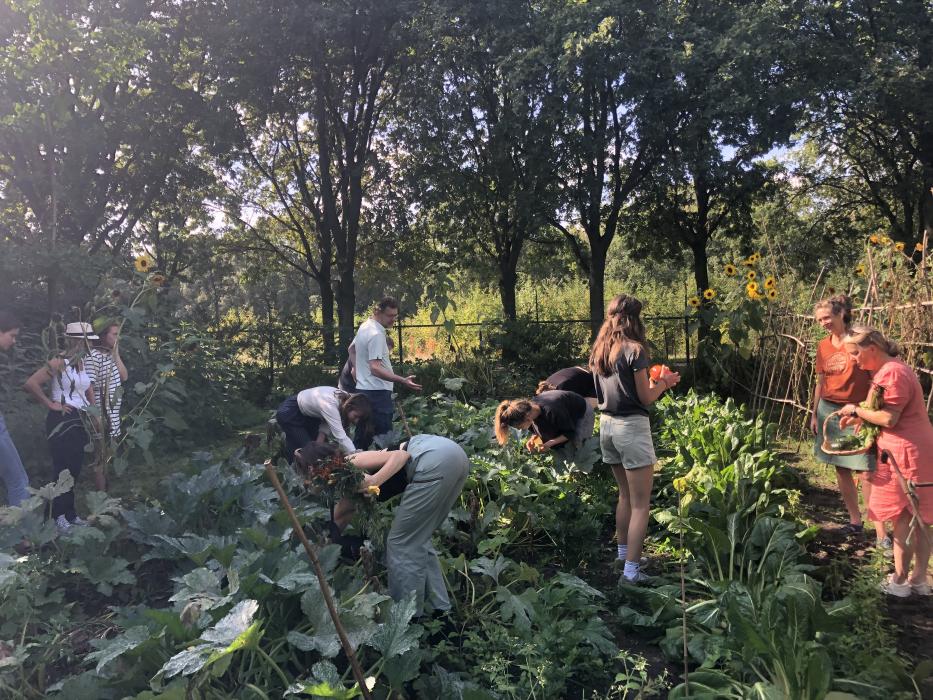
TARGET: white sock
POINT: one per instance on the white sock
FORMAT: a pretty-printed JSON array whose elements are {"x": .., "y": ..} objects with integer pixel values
[
  {"x": 623, "y": 551},
  {"x": 631, "y": 569}
]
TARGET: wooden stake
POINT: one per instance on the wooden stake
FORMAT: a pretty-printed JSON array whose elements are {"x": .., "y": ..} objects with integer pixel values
[{"x": 325, "y": 589}]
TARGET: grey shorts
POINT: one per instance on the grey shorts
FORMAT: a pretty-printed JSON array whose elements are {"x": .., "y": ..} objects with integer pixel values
[{"x": 626, "y": 440}]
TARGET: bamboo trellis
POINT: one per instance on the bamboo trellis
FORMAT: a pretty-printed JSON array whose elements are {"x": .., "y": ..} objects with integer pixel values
[{"x": 897, "y": 300}]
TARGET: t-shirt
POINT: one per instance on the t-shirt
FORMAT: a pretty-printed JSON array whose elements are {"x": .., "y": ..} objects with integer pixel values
[
  {"x": 575, "y": 379},
  {"x": 70, "y": 386},
  {"x": 108, "y": 390},
  {"x": 560, "y": 412},
  {"x": 371, "y": 344},
  {"x": 323, "y": 402},
  {"x": 345, "y": 379},
  {"x": 843, "y": 381},
  {"x": 616, "y": 394}
]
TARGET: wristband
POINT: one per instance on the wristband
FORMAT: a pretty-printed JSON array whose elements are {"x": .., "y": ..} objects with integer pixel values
[{"x": 854, "y": 412}]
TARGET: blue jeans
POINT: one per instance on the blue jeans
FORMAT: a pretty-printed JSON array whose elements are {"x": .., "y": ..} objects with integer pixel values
[
  {"x": 11, "y": 468},
  {"x": 299, "y": 429},
  {"x": 383, "y": 408}
]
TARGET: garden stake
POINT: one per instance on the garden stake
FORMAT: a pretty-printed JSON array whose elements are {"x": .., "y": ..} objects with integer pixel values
[
  {"x": 683, "y": 599},
  {"x": 319, "y": 572},
  {"x": 401, "y": 412}
]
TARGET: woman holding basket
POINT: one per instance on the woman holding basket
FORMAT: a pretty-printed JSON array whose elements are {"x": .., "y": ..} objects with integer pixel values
[
  {"x": 840, "y": 381},
  {"x": 905, "y": 450}
]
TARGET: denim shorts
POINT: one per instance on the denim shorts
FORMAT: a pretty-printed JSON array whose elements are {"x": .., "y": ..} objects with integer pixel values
[{"x": 626, "y": 440}]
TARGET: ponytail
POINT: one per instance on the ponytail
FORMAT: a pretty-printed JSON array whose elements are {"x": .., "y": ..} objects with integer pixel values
[
  {"x": 543, "y": 386},
  {"x": 510, "y": 413}
]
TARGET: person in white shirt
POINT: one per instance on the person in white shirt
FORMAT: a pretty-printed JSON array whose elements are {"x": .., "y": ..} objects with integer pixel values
[
  {"x": 68, "y": 420},
  {"x": 107, "y": 371},
  {"x": 374, "y": 375},
  {"x": 314, "y": 414}
]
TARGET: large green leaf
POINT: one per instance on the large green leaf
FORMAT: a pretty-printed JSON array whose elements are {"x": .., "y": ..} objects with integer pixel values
[
  {"x": 395, "y": 636},
  {"x": 119, "y": 645}
]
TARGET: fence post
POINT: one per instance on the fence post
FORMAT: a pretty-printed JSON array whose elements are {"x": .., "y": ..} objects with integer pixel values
[
  {"x": 687, "y": 337},
  {"x": 401, "y": 352}
]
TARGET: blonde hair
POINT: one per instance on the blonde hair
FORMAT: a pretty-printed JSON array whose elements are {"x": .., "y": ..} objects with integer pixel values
[
  {"x": 839, "y": 305},
  {"x": 865, "y": 335},
  {"x": 510, "y": 413}
]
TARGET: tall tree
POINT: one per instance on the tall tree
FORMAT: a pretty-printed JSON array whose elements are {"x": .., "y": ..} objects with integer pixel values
[
  {"x": 873, "y": 116},
  {"x": 98, "y": 106},
  {"x": 618, "y": 95},
  {"x": 483, "y": 133},
  {"x": 736, "y": 67},
  {"x": 314, "y": 110}
]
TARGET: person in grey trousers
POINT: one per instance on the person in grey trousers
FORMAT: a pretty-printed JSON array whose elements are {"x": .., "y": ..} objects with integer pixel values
[{"x": 435, "y": 469}]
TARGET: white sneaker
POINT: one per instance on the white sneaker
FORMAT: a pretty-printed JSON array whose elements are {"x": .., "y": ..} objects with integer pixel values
[
  {"x": 921, "y": 588},
  {"x": 62, "y": 523},
  {"x": 79, "y": 521},
  {"x": 638, "y": 578},
  {"x": 899, "y": 590}
]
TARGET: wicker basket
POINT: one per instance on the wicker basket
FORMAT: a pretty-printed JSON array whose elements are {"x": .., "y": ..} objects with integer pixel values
[{"x": 830, "y": 451}]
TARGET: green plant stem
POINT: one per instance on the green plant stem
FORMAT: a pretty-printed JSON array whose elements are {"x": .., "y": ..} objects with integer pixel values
[{"x": 275, "y": 667}]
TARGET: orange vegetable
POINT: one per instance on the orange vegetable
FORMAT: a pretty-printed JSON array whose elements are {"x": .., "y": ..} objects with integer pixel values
[{"x": 658, "y": 371}]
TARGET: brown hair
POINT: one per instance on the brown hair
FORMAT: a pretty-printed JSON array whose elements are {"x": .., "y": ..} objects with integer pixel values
[
  {"x": 510, "y": 413},
  {"x": 865, "y": 335},
  {"x": 313, "y": 455},
  {"x": 623, "y": 326},
  {"x": 543, "y": 386},
  {"x": 386, "y": 302},
  {"x": 839, "y": 305},
  {"x": 8, "y": 321}
]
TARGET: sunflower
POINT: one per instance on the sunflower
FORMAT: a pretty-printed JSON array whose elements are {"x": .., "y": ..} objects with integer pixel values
[
  {"x": 694, "y": 302},
  {"x": 751, "y": 275},
  {"x": 885, "y": 240},
  {"x": 157, "y": 279},
  {"x": 709, "y": 294},
  {"x": 731, "y": 270},
  {"x": 770, "y": 282},
  {"x": 860, "y": 270},
  {"x": 751, "y": 288},
  {"x": 899, "y": 247},
  {"x": 874, "y": 239},
  {"x": 748, "y": 262},
  {"x": 772, "y": 294},
  {"x": 919, "y": 247},
  {"x": 755, "y": 257},
  {"x": 144, "y": 263}
]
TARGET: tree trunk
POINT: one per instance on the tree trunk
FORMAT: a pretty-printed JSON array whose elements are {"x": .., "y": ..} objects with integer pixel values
[
  {"x": 508, "y": 278},
  {"x": 327, "y": 313},
  {"x": 346, "y": 307},
  {"x": 597, "y": 279}
]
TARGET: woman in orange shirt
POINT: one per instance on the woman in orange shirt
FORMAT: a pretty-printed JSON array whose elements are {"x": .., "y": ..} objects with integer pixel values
[{"x": 840, "y": 381}]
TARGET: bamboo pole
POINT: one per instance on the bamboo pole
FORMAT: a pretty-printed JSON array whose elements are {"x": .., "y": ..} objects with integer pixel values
[{"x": 322, "y": 579}]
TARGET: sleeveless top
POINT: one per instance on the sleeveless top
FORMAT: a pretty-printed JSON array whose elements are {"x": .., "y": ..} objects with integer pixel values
[{"x": 70, "y": 386}]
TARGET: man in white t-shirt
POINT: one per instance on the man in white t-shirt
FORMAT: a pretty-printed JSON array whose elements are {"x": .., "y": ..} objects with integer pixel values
[{"x": 374, "y": 375}]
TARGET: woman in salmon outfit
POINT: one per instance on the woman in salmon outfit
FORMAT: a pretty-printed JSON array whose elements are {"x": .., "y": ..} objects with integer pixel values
[{"x": 907, "y": 436}]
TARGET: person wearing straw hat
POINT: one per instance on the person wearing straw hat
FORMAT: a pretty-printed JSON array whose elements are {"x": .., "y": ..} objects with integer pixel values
[
  {"x": 71, "y": 394},
  {"x": 839, "y": 381},
  {"x": 905, "y": 440}
]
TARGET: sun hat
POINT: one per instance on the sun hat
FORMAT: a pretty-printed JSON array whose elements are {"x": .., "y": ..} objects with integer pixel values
[{"x": 80, "y": 329}]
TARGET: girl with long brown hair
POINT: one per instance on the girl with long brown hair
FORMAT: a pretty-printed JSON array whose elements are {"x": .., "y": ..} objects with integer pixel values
[{"x": 619, "y": 362}]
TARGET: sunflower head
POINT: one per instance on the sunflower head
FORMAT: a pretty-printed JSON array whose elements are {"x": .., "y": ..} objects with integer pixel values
[
  {"x": 899, "y": 247},
  {"x": 886, "y": 240},
  {"x": 730, "y": 270},
  {"x": 755, "y": 257},
  {"x": 770, "y": 282},
  {"x": 860, "y": 270},
  {"x": 751, "y": 275},
  {"x": 751, "y": 288},
  {"x": 919, "y": 247},
  {"x": 709, "y": 294},
  {"x": 144, "y": 263},
  {"x": 771, "y": 294},
  {"x": 694, "y": 302},
  {"x": 748, "y": 262},
  {"x": 157, "y": 279},
  {"x": 874, "y": 238}
]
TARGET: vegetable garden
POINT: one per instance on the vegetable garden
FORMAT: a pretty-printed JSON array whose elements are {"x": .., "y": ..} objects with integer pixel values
[{"x": 202, "y": 591}]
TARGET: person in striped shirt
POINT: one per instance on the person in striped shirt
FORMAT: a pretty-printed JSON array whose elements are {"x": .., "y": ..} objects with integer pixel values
[{"x": 107, "y": 371}]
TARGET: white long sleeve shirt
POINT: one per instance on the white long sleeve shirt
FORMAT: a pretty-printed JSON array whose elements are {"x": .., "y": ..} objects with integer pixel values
[{"x": 321, "y": 402}]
